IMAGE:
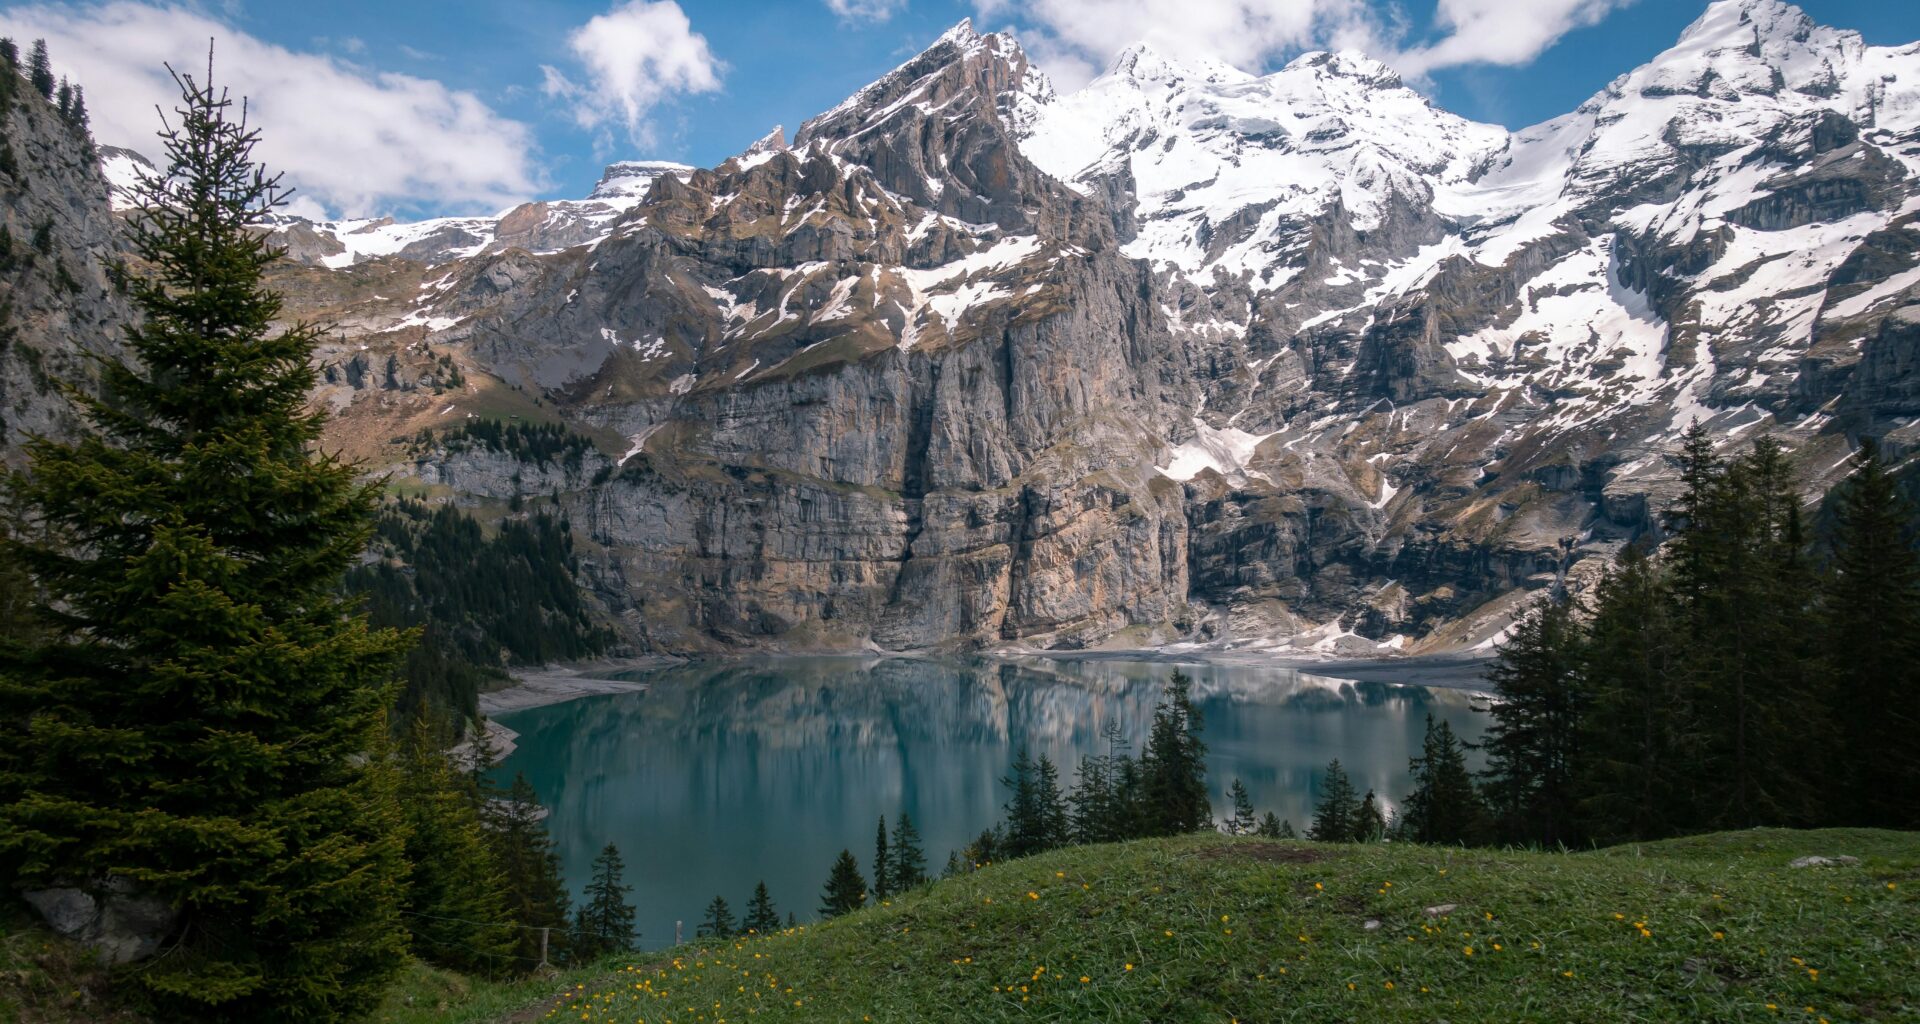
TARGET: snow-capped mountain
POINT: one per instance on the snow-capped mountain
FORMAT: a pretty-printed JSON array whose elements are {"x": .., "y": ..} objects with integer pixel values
[{"x": 1189, "y": 355}]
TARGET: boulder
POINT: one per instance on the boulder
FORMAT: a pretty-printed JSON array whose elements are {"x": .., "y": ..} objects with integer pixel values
[{"x": 115, "y": 920}]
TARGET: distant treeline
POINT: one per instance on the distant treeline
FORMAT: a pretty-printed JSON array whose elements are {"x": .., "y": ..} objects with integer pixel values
[
  {"x": 539, "y": 443},
  {"x": 1746, "y": 676},
  {"x": 482, "y": 603}
]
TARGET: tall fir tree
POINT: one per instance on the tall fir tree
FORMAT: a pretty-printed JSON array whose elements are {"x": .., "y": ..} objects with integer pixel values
[
  {"x": 1532, "y": 743},
  {"x": 1101, "y": 805},
  {"x": 761, "y": 918},
  {"x": 1871, "y": 640},
  {"x": 1269, "y": 827},
  {"x": 882, "y": 863},
  {"x": 1173, "y": 765},
  {"x": 1639, "y": 739},
  {"x": 1336, "y": 810},
  {"x": 40, "y": 69},
  {"x": 456, "y": 903},
  {"x": 908, "y": 859},
  {"x": 845, "y": 890},
  {"x": 1243, "y": 822},
  {"x": 604, "y": 923},
  {"x": 201, "y": 684},
  {"x": 1056, "y": 821},
  {"x": 1443, "y": 807},
  {"x": 529, "y": 865},
  {"x": 1036, "y": 812},
  {"x": 719, "y": 922}
]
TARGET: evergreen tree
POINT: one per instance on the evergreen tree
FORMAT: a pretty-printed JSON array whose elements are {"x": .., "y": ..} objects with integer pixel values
[
  {"x": 40, "y": 69},
  {"x": 77, "y": 115},
  {"x": 1036, "y": 814},
  {"x": 1173, "y": 766},
  {"x": 63, "y": 100},
  {"x": 10, "y": 54},
  {"x": 1132, "y": 818},
  {"x": 201, "y": 712},
  {"x": 909, "y": 862},
  {"x": 456, "y": 899},
  {"x": 1871, "y": 631},
  {"x": 1787, "y": 722},
  {"x": 1337, "y": 809},
  {"x": 882, "y": 864},
  {"x": 1638, "y": 743},
  {"x": 530, "y": 870},
  {"x": 1443, "y": 807},
  {"x": 1369, "y": 823},
  {"x": 1056, "y": 823},
  {"x": 1693, "y": 520},
  {"x": 1099, "y": 807},
  {"x": 1531, "y": 745},
  {"x": 604, "y": 923},
  {"x": 1286, "y": 831},
  {"x": 17, "y": 623},
  {"x": 719, "y": 922},
  {"x": 762, "y": 918},
  {"x": 987, "y": 847},
  {"x": 1269, "y": 826},
  {"x": 1243, "y": 822},
  {"x": 845, "y": 890}
]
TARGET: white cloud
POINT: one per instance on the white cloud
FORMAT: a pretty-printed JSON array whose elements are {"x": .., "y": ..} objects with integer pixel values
[
  {"x": 1074, "y": 38},
  {"x": 865, "y": 10},
  {"x": 636, "y": 55},
  {"x": 359, "y": 141},
  {"x": 1509, "y": 32}
]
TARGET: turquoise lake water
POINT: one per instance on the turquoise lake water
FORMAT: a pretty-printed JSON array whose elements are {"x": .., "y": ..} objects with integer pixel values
[{"x": 723, "y": 774}]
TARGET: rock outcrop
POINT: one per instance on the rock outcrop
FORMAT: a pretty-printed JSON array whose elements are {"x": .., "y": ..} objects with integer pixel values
[{"x": 62, "y": 261}]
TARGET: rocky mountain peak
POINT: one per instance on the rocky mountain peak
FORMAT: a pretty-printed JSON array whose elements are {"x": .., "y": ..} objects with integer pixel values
[
  {"x": 772, "y": 142},
  {"x": 1350, "y": 65},
  {"x": 1143, "y": 64},
  {"x": 631, "y": 179}
]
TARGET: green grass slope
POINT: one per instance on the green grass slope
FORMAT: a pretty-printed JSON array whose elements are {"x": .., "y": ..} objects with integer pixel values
[
  {"x": 1204, "y": 928},
  {"x": 1714, "y": 928}
]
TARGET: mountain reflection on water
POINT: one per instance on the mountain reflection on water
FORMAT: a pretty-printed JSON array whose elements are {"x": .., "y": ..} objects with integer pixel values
[{"x": 725, "y": 773}]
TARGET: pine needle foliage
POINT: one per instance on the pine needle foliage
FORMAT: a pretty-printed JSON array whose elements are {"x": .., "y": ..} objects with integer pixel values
[
  {"x": 762, "y": 918},
  {"x": 605, "y": 921},
  {"x": 908, "y": 859},
  {"x": 845, "y": 890},
  {"x": 197, "y": 715},
  {"x": 456, "y": 901}
]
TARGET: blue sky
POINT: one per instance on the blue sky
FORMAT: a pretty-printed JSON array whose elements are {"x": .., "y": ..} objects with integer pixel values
[{"x": 419, "y": 107}]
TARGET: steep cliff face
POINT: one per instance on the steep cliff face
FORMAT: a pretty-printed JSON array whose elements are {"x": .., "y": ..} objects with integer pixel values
[
  {"x": 61, "y": 254},
  {"x": 1192, "y": 354},
  {"x": 889, "y": 385}
]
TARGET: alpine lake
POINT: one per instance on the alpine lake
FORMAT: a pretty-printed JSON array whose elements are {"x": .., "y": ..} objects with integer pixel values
[{"x": 722, "y": 774}]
